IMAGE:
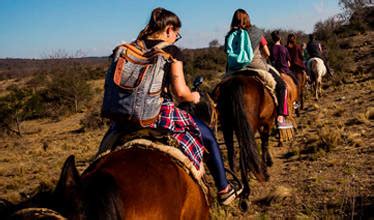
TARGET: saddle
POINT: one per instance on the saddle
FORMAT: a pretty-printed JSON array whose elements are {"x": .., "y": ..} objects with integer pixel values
[
  {"x": 262, "y": 76},
  {"x": 161, "y": 140}
]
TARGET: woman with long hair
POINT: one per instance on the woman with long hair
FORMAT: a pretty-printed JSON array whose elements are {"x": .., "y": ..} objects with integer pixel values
[{"x": 241, "y": 20}]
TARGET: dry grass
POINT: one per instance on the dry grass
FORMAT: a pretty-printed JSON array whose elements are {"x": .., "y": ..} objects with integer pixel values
[
  {"x": 276, "y": 195},
  {"x": 370, "y": 113},
  {"x": 327, "y": 173}
]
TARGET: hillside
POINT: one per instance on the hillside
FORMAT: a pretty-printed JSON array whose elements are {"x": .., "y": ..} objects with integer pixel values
[
  {"x": 11, "y": 68},
  {"x": 327, "y": 172}
]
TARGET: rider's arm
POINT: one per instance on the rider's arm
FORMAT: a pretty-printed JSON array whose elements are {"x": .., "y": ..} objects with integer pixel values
[
  {"x": 264, "y": 47},
  {"x": 265, "y": 51},
  {"x": 288, "y": 58},
  {"x": 179, "y": 86}
]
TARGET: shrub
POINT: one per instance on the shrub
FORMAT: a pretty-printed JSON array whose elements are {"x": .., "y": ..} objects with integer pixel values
[
  {"x": 19, "y": 105},
  {"x": 93, "y": 120},
  {"x": 68, "y": 90}
]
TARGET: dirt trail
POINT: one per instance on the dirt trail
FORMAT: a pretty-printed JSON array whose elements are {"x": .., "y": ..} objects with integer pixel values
[{"x": 328, "y": 169}]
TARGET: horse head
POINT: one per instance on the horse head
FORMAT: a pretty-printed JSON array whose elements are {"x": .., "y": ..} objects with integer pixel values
[{"x": 29, "y": 208}]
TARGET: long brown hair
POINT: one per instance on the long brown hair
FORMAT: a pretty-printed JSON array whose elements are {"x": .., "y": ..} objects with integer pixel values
[
  {"x": 291, "y": 40},
  {"x": 241, "y": 20},
  {"x": 160, "y": 19}
]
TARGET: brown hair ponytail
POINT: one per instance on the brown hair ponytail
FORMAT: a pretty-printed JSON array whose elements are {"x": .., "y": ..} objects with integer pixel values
[{"x": 160, "y": 19}]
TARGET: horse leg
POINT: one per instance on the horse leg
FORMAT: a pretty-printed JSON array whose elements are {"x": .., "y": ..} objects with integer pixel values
[
  {"x": 299, "y": 92},
  {"x": 228, "y": 135},
  {"x": 297, "y": 110},
  {"x": 305, "y": 78},
  {"x": 302, "y": 98},
  {"x": 320, "y": 88},
  {"x": 266, "y": 156},
  {"x": 244, "y": 200}
]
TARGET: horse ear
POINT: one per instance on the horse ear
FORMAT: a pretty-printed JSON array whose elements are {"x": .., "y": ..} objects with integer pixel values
[
  {"x": 69, "y": 179},
  {"x": 6, "y": 208}
]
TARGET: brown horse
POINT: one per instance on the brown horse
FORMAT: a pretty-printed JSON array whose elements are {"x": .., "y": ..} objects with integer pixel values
[
  {"x": 292, "y": 96},
  {"x": 301, "y": 78},
  {"x": 128, "y": 184},
  {"x": 245, "y": 107}
]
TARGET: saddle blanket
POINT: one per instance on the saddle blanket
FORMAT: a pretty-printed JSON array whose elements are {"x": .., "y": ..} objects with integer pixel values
[{"x": 262, "y": 76}]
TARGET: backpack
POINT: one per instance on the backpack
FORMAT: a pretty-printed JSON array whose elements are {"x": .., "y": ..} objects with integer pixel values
[
  {"x": 133, "y": 83},
  {"x": 238, "y": 49}
]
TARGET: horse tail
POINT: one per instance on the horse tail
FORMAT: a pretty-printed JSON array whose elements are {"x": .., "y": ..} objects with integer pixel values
[{"x": 232, "y": 97}]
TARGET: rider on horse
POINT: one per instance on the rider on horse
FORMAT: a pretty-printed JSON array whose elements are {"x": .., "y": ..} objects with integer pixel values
[
  {"x": 280, "y": 57},
  {"x": 296, "y": 54},
  {"x": 190, "y": 133},
  {"x": 240, "y": 20},
  {"x": 314, "y": 49}
]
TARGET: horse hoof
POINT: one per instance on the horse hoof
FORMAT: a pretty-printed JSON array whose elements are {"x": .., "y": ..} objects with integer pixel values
[
  {"x": 267, "y": 177},
  {"x": 269, "y": 163},
  {"x": 244, "y": 205}
]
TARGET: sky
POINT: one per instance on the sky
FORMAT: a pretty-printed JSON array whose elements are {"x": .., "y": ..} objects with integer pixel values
[{"x": 39, "y": 28}]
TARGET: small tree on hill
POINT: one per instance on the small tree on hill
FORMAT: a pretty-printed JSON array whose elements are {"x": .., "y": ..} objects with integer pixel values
[
  {"x": 351, "y": 7},
  {"x": 18, "y": 105},
  {"x": 69, "y": 88},
  {"x": 214, "y": 43}
]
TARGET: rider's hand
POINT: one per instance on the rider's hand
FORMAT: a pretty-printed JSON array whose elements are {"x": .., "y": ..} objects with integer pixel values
[{"x": 196, "y": 97}]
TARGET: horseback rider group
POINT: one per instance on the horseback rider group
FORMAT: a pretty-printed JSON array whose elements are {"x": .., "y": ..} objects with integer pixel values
[{"x": 146, "y": 80}]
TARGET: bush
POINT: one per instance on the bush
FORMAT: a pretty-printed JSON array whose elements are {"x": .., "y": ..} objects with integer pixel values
[
  {"x": 19, "y": 105},
  {"x": 93, "y": 120},
  {"x": 68, "y": 90},
  {"x": 207, "y": 62},
  {"x": 46, "y": 95}
]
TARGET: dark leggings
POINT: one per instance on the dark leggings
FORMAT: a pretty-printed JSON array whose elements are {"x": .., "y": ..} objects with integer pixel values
[
  {"x": 214, "y": 158},
  {"x": 280, "y": 90}
]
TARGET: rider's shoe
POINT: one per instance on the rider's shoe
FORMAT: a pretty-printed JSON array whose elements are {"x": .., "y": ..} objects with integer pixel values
[
  {"x": 227, "y": 197},
  {"x": 284, "y": 124}
]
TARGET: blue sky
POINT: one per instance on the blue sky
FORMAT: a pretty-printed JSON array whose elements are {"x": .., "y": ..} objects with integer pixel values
[{"x": 36, "y": 28}]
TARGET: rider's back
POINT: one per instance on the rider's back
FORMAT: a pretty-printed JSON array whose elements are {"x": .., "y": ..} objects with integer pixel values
[{"x": 313, "y": 49}]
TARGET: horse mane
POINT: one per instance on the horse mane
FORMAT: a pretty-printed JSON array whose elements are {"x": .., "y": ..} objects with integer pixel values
[
  {"x": 101, "y": 197},
  {"x": 201, "y": 110}
]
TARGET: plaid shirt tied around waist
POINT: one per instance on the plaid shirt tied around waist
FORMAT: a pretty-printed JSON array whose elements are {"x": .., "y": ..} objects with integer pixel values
[{"x": 183, "y": 128}]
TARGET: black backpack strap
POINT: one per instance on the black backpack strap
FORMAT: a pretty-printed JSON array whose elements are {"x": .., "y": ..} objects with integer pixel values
[{"x": 158, "y": 48}]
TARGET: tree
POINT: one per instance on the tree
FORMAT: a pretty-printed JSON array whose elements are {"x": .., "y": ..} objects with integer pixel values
[
  {"x": 18, "y": 105},
  {"x": 214, "y": 43},
  {"x": 69, "y": 88},
  {"x": 351, "y": 6}
]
